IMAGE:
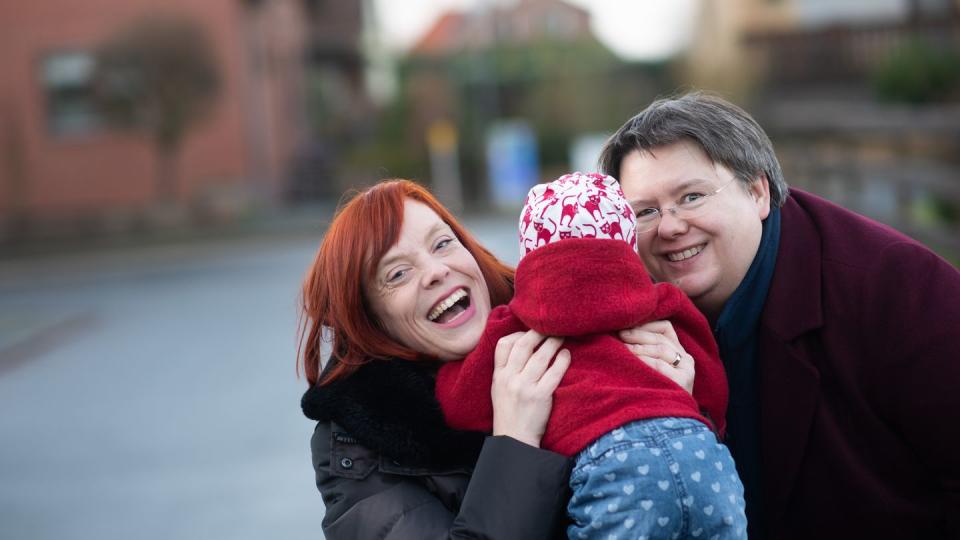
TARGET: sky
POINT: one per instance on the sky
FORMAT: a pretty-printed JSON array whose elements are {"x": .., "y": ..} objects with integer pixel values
[{"x": 633, "y": 29}]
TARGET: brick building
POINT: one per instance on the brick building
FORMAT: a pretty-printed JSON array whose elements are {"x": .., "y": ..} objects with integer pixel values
[{"x": 61, "y": 164}]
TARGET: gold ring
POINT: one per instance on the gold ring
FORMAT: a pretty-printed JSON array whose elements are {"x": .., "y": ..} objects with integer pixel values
[{"x": 676, "y": 361}]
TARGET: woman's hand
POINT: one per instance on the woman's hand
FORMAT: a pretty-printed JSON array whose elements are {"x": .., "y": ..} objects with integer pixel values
[
  {"x": 657, "y": 345},
  {"x": 523, "y": 384}
]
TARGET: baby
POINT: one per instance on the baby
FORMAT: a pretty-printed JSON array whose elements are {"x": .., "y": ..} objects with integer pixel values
[{"x": 647, "y": 464}]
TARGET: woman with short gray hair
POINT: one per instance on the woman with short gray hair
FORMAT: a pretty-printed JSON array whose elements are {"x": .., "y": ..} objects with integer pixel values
[{"x": 838, "y": 334}]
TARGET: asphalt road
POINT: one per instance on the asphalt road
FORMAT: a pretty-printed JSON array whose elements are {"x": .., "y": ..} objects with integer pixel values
[{"x": 150, "y": 393}]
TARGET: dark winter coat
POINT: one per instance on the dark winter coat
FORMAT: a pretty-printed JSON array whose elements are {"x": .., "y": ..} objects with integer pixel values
[
  {"x": 859, "y": 350},
  {"x": 388, "y": 467}
]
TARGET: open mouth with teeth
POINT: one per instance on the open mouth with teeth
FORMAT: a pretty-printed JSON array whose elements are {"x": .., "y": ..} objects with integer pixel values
[
  {"x": 450, "y": 308},
  {"x": 678, "y": 256}
]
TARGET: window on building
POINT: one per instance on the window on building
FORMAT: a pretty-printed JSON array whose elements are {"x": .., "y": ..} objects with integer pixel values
[
  {"x": 67, "y": 79},
  {"x": 560, "y": 24}
]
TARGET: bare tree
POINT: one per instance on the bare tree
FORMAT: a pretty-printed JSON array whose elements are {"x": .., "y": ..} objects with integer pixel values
[{"x": 159, "y": 76}]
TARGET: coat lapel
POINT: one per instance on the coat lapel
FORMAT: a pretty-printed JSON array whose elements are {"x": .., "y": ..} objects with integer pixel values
[
  {"x": 789, "y": 383},
  {"x": 790, "y": 390}
]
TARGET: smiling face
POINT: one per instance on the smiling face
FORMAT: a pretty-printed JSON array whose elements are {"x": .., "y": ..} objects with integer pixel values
[
  {"x": 707, "y": 256},
  {"x": 427, "y": 290}
]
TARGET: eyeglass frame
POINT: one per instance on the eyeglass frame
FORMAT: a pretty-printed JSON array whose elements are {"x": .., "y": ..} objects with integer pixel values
[{"x": 673, "y": 209}]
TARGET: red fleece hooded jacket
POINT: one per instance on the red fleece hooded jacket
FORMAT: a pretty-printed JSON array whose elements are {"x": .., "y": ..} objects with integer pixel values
[{"x": 587, "y": 290}]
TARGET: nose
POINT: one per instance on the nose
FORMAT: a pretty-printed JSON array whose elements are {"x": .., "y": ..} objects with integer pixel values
[
  {"x": 670, "y": 225},
  {"x": 435, "y": 272}
]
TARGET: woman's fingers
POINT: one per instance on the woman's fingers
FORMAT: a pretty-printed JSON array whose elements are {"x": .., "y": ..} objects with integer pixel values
[
  {"x": 650, "y": 351},
  {"x": 552, "y": 376},
  {"x": 641, "y": 337},
  {"x": 656, "y": 339},
  {"x": 661, "y": 351},
  {"x": 504, "y": 347},
  {"x": 653, "y": 345},
  {"x": 523, "y": 349},
  {"x": 657, "y": 346},
  {"x": 650, "y": 333},
  {"x": 538, "y": 362},
  {"x": 655, "y": 363},
  {"x": 664, "y": 328}
]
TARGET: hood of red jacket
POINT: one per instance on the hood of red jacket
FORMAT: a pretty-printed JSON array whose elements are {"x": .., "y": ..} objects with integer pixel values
[{"x": 598, "y": 269}]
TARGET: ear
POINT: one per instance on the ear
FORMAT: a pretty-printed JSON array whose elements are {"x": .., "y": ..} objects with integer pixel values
[{"x": 759, "y": 189}]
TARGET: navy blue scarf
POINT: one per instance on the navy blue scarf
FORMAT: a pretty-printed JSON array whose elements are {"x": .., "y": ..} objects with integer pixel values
[{"x": 736, "y": 333}]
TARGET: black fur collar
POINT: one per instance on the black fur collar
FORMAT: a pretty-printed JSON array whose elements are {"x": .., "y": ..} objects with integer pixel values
[{"x": 389, "y": 406}]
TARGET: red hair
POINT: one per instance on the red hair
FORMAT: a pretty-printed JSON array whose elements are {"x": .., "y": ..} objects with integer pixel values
[{"x": 334, "y": 307}]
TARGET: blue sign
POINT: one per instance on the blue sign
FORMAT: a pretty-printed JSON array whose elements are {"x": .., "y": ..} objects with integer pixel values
[{"x": 512, "y": 162}]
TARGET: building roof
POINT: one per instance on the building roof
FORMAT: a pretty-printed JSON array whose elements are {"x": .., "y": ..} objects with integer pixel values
[{"x": 523, "y": 22}]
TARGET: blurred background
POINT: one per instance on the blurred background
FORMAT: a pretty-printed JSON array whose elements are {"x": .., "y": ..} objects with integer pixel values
[{"x": 167, "y": 169}]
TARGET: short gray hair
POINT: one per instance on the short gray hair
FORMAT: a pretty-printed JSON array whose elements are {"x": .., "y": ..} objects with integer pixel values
[{"x": 726, "y": 133}]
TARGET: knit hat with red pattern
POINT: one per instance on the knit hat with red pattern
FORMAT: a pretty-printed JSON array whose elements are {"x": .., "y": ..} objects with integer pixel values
[{"x": 576, "y": 205}]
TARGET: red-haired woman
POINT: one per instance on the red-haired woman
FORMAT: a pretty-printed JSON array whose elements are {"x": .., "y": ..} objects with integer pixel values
[{"x": 397, "y": 287}]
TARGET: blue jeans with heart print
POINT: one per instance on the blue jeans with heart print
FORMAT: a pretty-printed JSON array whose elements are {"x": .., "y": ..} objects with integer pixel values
[{"x": 663, "y": 478}]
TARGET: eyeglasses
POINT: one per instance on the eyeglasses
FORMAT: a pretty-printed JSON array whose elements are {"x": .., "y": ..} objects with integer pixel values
[{"x": 690, "y": 205}]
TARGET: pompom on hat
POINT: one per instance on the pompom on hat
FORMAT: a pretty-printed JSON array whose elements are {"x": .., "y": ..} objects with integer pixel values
[{"x": 576, "y": 205}]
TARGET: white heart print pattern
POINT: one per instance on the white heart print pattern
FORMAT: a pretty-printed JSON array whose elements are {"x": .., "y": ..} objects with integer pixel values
[{"x": 642, "y": 486}]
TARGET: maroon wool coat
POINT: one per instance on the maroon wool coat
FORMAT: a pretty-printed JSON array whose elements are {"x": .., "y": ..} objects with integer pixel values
[{"x": 859, "y": 367}]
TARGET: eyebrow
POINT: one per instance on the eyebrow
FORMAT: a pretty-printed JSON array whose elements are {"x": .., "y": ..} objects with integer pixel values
[
  {"x": 387, "y": 261},
  {"x": 681, "y": 187}
]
